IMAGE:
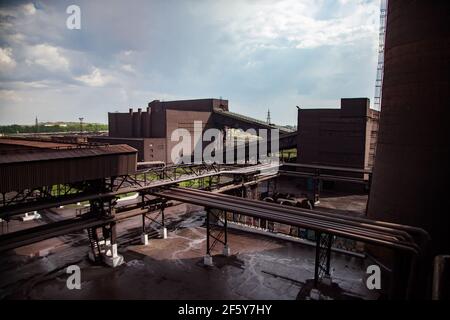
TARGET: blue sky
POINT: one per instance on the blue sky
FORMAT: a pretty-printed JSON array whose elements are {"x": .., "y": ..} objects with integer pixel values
[{"x": 257, "y": 54}]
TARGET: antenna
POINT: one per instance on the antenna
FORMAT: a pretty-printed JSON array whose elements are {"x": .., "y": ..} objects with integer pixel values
[
  {"x": 380, "y": 66},
  {"x": 268, "y": 117},
  {"x": 81, "y": 124}
]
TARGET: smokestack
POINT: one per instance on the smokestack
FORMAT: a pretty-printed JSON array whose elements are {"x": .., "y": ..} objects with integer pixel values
[
  {"x": 136, "y": 118},
  {"x": 146, "y": 122},
  {"x": 411, "y": 168}
]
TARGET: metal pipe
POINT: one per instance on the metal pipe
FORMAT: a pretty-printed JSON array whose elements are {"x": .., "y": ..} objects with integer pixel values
[
  {"x": 269, "y": 214},
  {"x": 364, "y": 223}
]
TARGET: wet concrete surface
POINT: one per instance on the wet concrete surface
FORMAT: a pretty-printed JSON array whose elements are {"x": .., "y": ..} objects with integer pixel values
[
  {"x": 333, "y": 201},
  {"x": 260, "y": 267}
]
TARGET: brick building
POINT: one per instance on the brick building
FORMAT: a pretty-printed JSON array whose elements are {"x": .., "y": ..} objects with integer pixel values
[
  {"x": 149, "y": 131},
  {"x": 344, "y": 137}
]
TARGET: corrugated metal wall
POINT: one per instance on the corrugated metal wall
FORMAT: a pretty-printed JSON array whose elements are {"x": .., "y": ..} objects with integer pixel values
[{"x": 16, "y": 176}]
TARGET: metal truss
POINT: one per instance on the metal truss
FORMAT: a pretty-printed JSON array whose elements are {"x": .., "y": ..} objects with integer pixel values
[
  {"x": 175, "y": 172},
  {"x": 216, "y": 229},
  {"x": 324, "y": 242},
  {"x": 29, "y": 196},
  {"x": 102, "y": 209},
  {"x": 63, "y": 192},
  {"x": 98, "y": 241},
  {"x": 154, "y": 212},
  {"x": 94, "y": 244}
]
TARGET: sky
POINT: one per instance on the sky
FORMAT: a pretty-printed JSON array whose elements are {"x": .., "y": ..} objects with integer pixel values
[{"x": 257, "y": 54}]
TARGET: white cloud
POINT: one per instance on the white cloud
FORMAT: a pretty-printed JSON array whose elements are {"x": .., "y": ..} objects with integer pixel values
[
  {"x": 7, "y": 61},
  {"x": 300, "y": 24},
  {"x": 16, "y": 38},
  {"x": 128, "y": 68},
  {"x": 28, "y": 9},
  {"x": 95, "y": 79},
  {"x": 48, "y": 56},
  {"x": 10, "y": 95},
  {"x": 255, "y": 53}
]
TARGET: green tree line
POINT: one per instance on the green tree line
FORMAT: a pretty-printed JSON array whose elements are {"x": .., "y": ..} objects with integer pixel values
[{"x": 70, "y": 127}]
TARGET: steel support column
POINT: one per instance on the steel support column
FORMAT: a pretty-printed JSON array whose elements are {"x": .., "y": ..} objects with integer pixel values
[
  {"x": 324, "y": 242},
  {"x": 216, "y": 229},
  {"x": 155, "y": 207}
]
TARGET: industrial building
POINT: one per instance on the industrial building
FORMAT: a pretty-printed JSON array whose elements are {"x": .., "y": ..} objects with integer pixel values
[
  {"x": 29, "y": 165},
  {"x": 150, "y": 131},
  {"x": 344, "y": 137},
  {"x": 216, "y": 210}
]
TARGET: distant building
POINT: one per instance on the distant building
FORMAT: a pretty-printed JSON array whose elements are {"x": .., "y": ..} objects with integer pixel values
[
  {"x": 343, "y": 137},
  {"x": 149, "y": 131}
]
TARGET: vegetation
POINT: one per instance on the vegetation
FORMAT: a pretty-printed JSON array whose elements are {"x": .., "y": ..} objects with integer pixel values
[
  {"x": 59, "y": 127},
  {"x": 288, "y": 154}
]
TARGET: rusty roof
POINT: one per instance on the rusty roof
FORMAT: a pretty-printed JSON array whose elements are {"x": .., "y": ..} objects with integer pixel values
[
  {"x": 247, "y": 119},
  {"x": 43, "y": 155},
  {"x": 35, "y": 143}
]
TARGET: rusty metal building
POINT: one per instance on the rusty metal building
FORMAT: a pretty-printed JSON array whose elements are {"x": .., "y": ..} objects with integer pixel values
[
  {"x": 47, "y": 164},
  {"x": 149, "y": 131},
  {"x": 344, "y": 137},
  {"x": 15, "y": 144}
]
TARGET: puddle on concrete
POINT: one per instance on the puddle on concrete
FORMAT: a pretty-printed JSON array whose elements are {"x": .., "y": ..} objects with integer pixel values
[{"x": 259, "y": 267}]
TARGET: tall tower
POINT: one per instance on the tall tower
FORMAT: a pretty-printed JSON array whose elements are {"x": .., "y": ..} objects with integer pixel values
[
  {"x": 410, "y": 184},
  {"x": 380, "y": 66},
  {"x": 36, "y": 125},
  {"x": 268, "y": 117}
]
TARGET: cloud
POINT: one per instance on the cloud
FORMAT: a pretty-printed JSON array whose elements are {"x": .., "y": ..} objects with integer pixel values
[
  {"x": 47, "y": 56},
  {"x": 7, "y": 61},
  {"x": 95, "y": 79},
  {"x": 10, "y": 95},
  {"x": 257, "y": 54},
  {"x": 28, "y": 9},
  {"x": 128, "y": 68},
  {"x": 301, "y": 24}
]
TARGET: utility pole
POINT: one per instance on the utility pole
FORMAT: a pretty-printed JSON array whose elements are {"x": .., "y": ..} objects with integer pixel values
[{"x": 81, "y": 124}]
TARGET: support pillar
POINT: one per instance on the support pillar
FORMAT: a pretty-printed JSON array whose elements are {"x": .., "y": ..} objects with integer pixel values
[
  {"x": 144, "y": 239},
  {"x": 144, "y": 235},
  {"x": 110, "y": 254},
  {"x": 207, "y": 259},
  {"x": 226, "y": 248},
  {"x": 163, "y": 231},
  {"x": 218, "y": 223},
  {"x": 324, "y": 242}
]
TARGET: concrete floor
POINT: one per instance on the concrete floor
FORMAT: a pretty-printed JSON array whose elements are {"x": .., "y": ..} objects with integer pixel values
[
  {"x": 348, "y": 203},
  {"x": 260, "y": 267}
]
